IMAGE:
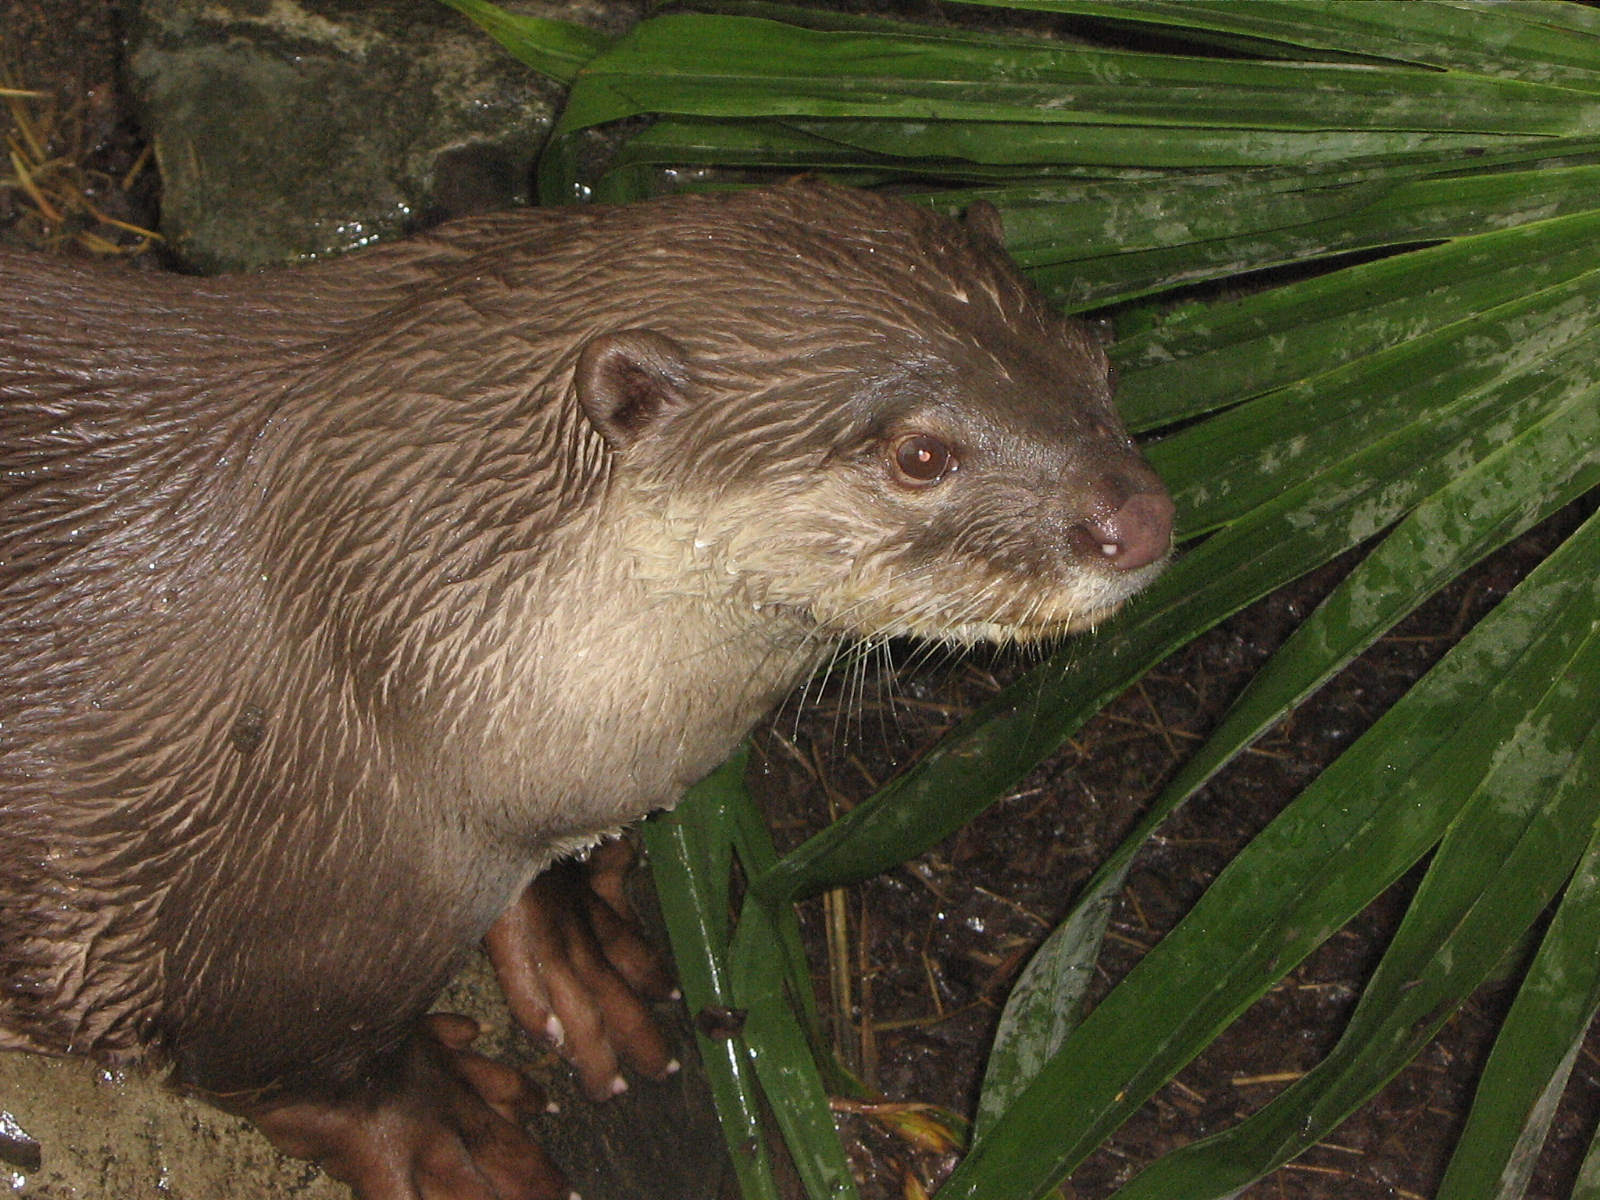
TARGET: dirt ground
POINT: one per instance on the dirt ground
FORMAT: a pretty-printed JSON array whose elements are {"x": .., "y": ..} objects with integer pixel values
[{"x": 932, "y": 946}]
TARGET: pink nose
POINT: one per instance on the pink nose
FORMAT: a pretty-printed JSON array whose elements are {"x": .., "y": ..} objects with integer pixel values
[{"x": 1136, "y": 534}]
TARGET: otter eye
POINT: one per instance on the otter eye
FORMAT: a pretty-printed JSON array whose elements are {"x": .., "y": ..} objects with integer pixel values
[{"x": 923, "y": 459}]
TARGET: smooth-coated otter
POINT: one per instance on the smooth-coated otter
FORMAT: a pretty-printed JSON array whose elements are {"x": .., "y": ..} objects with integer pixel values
[{"x": 336, "y": 603}]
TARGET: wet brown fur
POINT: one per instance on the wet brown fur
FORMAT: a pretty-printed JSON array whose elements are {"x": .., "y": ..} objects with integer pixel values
[{"x": 327, "y": 616}]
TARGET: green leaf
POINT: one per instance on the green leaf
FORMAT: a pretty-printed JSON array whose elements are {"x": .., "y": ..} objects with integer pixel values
[
  {"x": 1530, "y": 802},
  {"x": 1050, "y": 222},
  {"x": 691, "y": 863},
  {"x": 1204, "y": 359},
  {"x": 554, "y": 48},
  {"x": 1427, "y": 210},
  {"x": 1449, "y": 381},
  {"x": 1587, "y": 1185},
  {"x": 783, "y": 1056},
  {"x": 1351, "y": 833},
  {"x": 1043, "y": 1007},
  {"x": 722, "y": 66},
  {"x": 1533, "y": 1056},
  {"x": 975, "y": 96},
  {"x": 685, "y": 142},
  {"x": 1530, "y": 477},
  {"x": 763, "y": 973},
  {"x": 1152, "y": 146},
  {"x": 757, "y": 855},
  {"x": 1492, "y": 39}
]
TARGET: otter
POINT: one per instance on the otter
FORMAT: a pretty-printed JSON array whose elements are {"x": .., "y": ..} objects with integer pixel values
[{"x": 338, "y": 603}]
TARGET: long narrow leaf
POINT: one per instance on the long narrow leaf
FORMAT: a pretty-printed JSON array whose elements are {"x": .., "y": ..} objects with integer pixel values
[
  {"x": 1492, "y": 39},
  {"x": 1124, "y": 145},
  {"x": 1044, "y": 1006},
  {"x": 690, "y": 141},
  {"x": 1468, "y": 371},
  {"x": 710, "y": 66},
  {"x": 1072, "y": 222},
  {"x": 1506, "y": 855},
  {"x": 1430, "y": 210},
  {"x": 748, "y": 66},
  {"x": 1533, "y": 475},
  {"x": 1533, "y": 1056},
  {"x": 1352, "y": 832},
  {"x": 558, "y": 49},
  {"x": 691, "y": 862},
  {"x": 783, "y": 1056},
  {"x": 1209, "y": 358},
  {"x": 1587, "y": 1185}
]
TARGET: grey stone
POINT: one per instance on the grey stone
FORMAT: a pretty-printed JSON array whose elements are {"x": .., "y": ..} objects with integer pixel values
[{"x": 289, "y": 130}]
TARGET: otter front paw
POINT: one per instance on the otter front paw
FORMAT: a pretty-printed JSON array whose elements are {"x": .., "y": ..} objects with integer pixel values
[
  {"x": 449, "y": 1129},
  {"x": 577, "y": 972}
]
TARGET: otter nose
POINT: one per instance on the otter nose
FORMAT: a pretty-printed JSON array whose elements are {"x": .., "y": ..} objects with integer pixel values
[{"x": 1137, "y": 533}]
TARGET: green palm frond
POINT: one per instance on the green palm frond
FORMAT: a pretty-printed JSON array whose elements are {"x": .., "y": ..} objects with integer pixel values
[{"x": 1430, "y": 383}]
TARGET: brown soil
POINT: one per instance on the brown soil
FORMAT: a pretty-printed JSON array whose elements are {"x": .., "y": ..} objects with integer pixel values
[
  {"x": 934, "y": 945},
  {"x": 87, "y": 185}
]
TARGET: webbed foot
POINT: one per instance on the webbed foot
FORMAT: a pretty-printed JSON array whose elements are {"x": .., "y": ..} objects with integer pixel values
[
  {"x": 577, "y": 972},
  {"x": 449, "y": 1129}
]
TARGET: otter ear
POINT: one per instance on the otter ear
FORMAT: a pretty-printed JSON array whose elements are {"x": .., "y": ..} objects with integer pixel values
[
  {"x": 627, "y": 380},
  {"x": 983, "y": 221}
]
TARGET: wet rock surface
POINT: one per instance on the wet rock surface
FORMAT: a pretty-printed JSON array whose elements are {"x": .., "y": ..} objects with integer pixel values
[
  {"x": 293, "y": 129},
  {"x": 101, "y": 1135}
]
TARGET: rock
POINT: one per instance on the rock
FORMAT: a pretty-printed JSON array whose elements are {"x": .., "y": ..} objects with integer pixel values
[
  {"x": 288, "y": 130},
  {"x": 104, "y": 1136},
  {"x": 109, "y": 1136}
]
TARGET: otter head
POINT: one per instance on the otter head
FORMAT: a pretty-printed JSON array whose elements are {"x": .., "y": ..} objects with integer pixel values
[{"x": 868, "y": 419}]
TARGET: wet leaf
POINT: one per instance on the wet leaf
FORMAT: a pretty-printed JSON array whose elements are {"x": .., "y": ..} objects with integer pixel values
[
  {"x": 1372, "y": 814},
  {"x": 1447, "y": 392},
  {"x": 1526, "y": 805},
  {"x": 993, "y": 99},
  {"x": 1552, "y": 461},
  {"x": 1547, "y": 43},
  {"x": 1205, "y": 359},
  {"x": 789, "y": 1075},
  {"x": 1533, "y": 1056},
  {"x": 691, "y": 862},
  {"x": 554, "y": 48}
]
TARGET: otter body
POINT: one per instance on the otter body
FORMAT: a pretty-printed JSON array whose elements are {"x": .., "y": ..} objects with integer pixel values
[{"x": 336, "y": 603}]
